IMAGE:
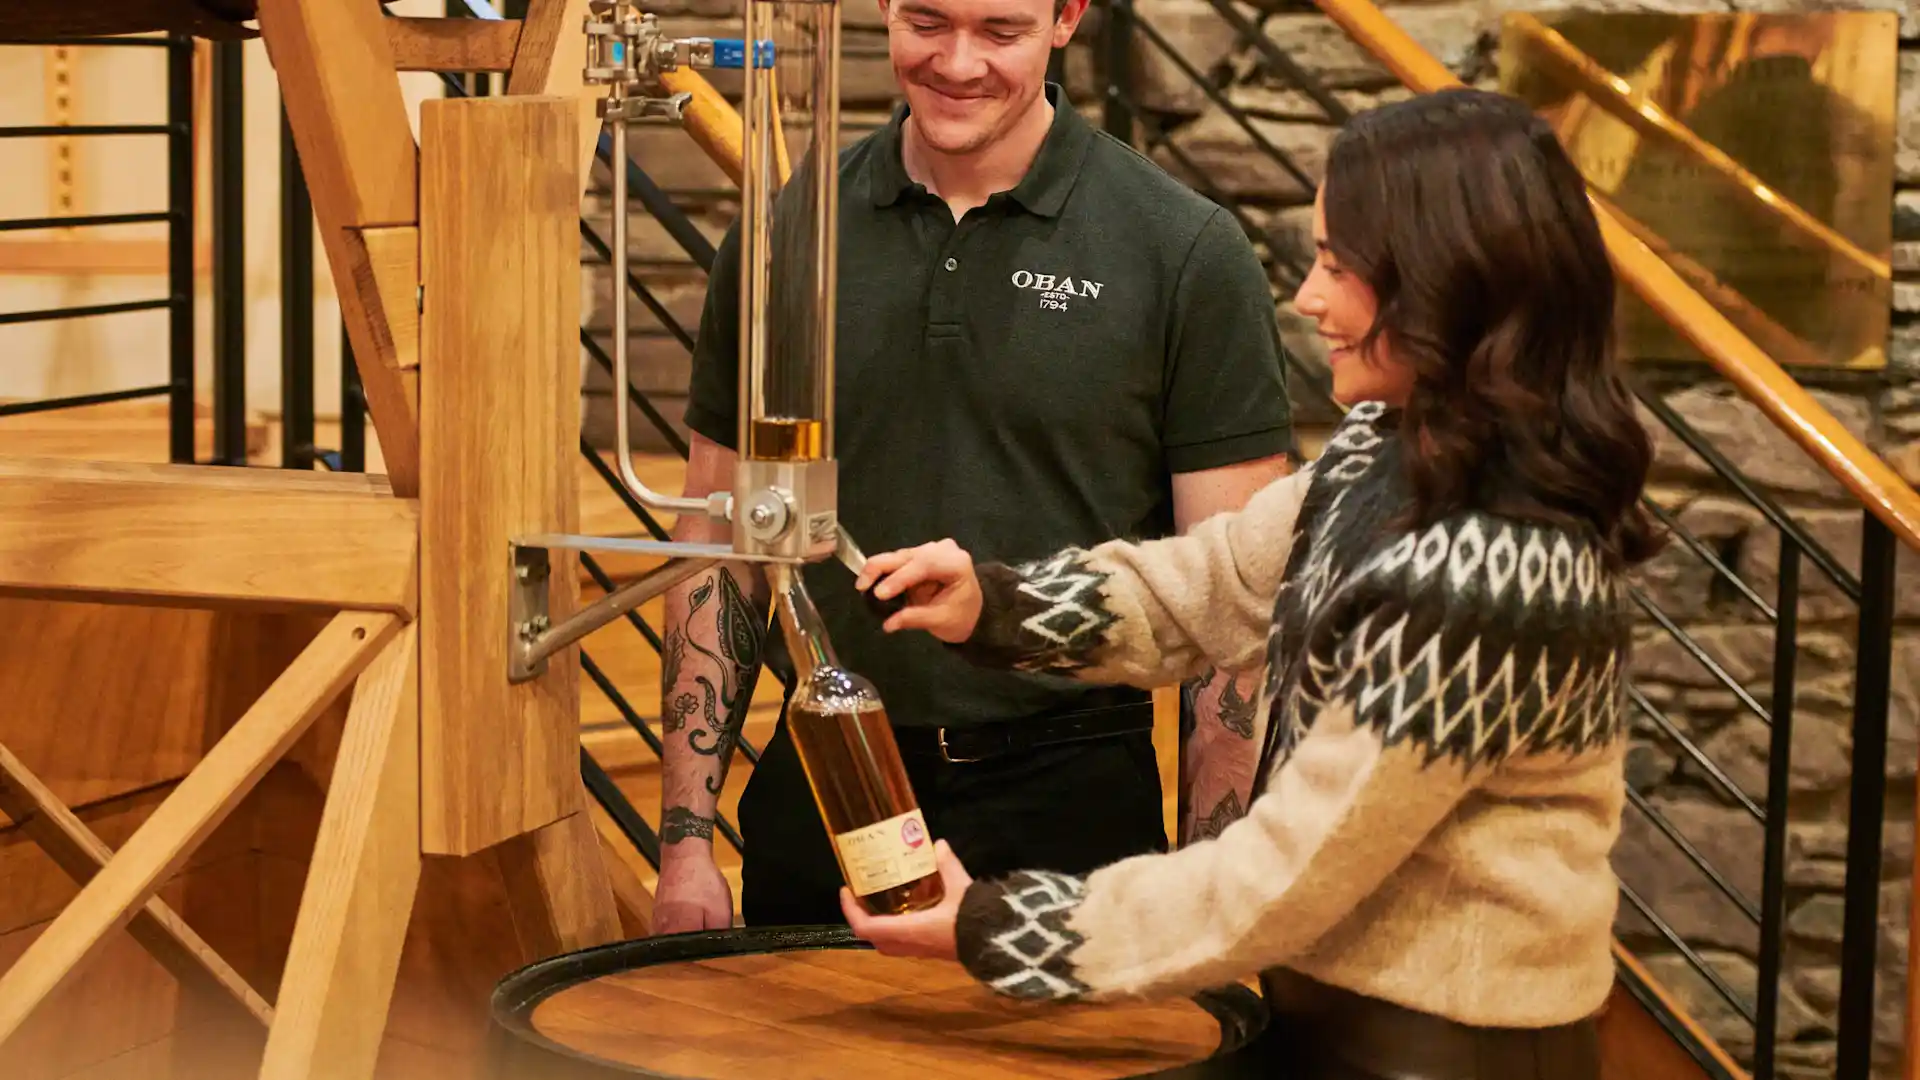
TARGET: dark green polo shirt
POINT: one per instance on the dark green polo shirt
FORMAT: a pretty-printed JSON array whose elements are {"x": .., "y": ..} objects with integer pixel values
[{"x": 1026, "y": 379}]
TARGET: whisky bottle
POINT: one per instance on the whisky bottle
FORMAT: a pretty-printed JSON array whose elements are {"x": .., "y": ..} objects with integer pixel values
[{"x": 845, "y": 743}]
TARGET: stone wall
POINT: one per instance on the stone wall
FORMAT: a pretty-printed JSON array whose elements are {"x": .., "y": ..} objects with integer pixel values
[{"x": 1884, "y": 410}]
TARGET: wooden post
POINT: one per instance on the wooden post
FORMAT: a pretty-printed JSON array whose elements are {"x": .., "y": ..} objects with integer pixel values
[
  {"x": 499, "y": 426},
  {"x": 360, "y": 888}
]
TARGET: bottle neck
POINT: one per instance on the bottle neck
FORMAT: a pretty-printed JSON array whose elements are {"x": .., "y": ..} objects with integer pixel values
[{"x": 800, "y": 622}]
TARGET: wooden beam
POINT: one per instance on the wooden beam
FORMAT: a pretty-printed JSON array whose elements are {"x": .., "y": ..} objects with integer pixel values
[
  {"x": 500, "y": 428},
  {"x": 550, "y": 59},
  {"x": 437, "y": 44},
  {"x": 552, "y": 55},
  {"x": 349, "y": 121},
  {"x": 81, "y": 854},
  {"x": 558, "y": 889},
  {"x": 393, "y": 260},
  {"x": 196, "y": 536},
  {"x": 203, "y": 800},
  {"x": 360, "y": 887}
]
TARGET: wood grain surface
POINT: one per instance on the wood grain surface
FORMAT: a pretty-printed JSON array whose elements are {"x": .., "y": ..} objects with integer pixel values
[{"x": 835, "y": 1013}]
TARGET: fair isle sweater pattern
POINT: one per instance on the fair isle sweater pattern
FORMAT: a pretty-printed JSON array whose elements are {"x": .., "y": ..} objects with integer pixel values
[{"x": 1456, "y": 646}]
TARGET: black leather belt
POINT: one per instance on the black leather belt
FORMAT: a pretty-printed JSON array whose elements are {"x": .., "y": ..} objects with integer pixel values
[{"x": 978, "y": 742}]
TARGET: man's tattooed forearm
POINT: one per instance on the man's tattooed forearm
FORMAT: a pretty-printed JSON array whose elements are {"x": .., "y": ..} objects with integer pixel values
[
  {"x": 1225, "y": 812},
  {"x": 675, "y": 707},
  {"x": 1236, "y": 712},
  {"x": 680, "y": 823}
]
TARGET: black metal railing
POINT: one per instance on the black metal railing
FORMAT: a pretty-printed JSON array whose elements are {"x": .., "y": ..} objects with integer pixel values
[
  {"x": 1872, "y": 591},
  {"x": 178, "y": 386}
]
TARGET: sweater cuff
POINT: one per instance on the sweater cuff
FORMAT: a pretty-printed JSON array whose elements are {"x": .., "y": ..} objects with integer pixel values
[
  {"x": 1048, "y": 616},
  {"x": 1012, "y": 935}
]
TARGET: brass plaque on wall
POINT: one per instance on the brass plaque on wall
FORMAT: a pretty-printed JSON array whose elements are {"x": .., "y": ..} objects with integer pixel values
[{"x": 1755, "y": 153}]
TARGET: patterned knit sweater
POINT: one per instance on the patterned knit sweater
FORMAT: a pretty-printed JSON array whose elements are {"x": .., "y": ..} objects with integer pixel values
[{"x": 1442, "y": 779}]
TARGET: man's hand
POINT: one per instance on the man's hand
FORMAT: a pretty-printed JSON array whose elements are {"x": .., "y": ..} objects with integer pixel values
[
  {"x": 692, "y": 893},
  {"x": 943, "y": 596},
  {"x": 927, "y": 934}
]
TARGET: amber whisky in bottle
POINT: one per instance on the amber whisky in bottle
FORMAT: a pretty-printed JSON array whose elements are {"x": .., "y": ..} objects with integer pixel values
[{"x": 840, "y": 730}]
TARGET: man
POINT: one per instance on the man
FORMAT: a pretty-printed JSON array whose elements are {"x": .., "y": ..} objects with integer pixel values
[{"x": 1043, "y": 340}]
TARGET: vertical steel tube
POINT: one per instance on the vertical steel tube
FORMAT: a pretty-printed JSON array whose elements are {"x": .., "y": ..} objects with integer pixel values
[
  {"x": 617, "y": 292},
  {"x": 1773, "y": 875},
  {"x": 1866, "y": 804},
  {"x": 296, "y": 308},
  {"x": 180, "y": 249},
  {"x": 788, "y": 230},
  {"x": 229, "y": 259}
]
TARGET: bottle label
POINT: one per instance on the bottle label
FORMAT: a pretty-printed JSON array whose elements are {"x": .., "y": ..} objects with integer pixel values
[{"x": 886, "y": 853}]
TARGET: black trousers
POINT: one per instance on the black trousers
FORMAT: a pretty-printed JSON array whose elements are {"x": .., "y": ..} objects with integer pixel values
[{"x": 1073, "y": 808}]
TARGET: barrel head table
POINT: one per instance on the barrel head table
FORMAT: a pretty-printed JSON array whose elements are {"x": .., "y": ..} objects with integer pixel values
[{"x": 814, "y": 1003}]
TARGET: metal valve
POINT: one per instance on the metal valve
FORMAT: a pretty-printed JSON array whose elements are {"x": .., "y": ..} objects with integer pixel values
[{"x": 627, "y": 53}]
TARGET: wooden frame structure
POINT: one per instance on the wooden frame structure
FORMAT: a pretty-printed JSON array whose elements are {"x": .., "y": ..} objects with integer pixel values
[{"x": 456, "y": 261}]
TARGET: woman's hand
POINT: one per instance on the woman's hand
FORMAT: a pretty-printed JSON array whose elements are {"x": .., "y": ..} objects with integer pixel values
[
  {"x": 927, "y": 934},
  {"x": 943, "y": 595}
]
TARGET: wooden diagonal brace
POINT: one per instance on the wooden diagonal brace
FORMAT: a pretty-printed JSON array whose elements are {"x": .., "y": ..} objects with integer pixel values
[
  {"x": 79, "y": 852},
  {"x": 197, "y": 806},
  {"x": 349, "y": 120},
  {"x": 360, "y": 886}
]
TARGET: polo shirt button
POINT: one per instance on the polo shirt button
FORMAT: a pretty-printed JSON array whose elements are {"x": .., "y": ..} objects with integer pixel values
[{"x": 953, "y": 264}]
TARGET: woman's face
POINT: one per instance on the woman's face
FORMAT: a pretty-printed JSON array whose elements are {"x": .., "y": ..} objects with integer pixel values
[{"x": 1343, "y": 307}]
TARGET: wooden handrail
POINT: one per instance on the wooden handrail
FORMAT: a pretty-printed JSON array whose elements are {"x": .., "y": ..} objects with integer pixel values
[
  {"x": 710, "y": 119},
  {"x": 1743, "y": 363},
  {"x": 1633, "y": 108}
]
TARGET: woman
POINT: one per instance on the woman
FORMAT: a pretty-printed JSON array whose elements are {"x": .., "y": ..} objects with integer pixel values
[{"x": 1424, "y": 868}]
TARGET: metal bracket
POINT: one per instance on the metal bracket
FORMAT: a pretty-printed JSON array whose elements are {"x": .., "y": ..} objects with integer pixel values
[
  {"x": 639, "y": 108},
  {"x": 532, "y": 634}
]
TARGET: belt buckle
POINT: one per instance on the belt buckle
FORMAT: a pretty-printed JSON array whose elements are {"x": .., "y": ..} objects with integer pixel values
[{"x": 946, "y": 754}]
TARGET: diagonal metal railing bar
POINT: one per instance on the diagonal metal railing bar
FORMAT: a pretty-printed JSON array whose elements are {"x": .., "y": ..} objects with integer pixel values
[
  {"x": 1668, "y": 829},
  {"x": 662, "y": 207},
  {"x": 1234, "y": 112},
  {"x": 606, "y": 792},
  {"x": 635, "y": 397},
  {"x": 1694, "y": 959},
  {"x": 1707, "y": 555},
  {"x": 1687, "y": 746},
  {"x": 1816, "y": 552},
  {"x": 605, "y": 471},
  {"x": 1287, "y": 66},
  {"x": 639, "y": 288},
  {"x": 1692, "y": 646}
]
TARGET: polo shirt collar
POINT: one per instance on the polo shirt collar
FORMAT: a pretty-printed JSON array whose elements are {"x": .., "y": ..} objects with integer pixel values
[{"x": 1043, "y": 190}]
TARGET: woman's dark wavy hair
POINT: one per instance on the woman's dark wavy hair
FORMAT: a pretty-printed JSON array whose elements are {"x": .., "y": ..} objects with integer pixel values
[{"x": 1465, "y": 215}]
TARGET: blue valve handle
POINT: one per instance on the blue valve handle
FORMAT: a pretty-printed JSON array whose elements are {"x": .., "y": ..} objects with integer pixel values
[{"x": 732, "y": 53}]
